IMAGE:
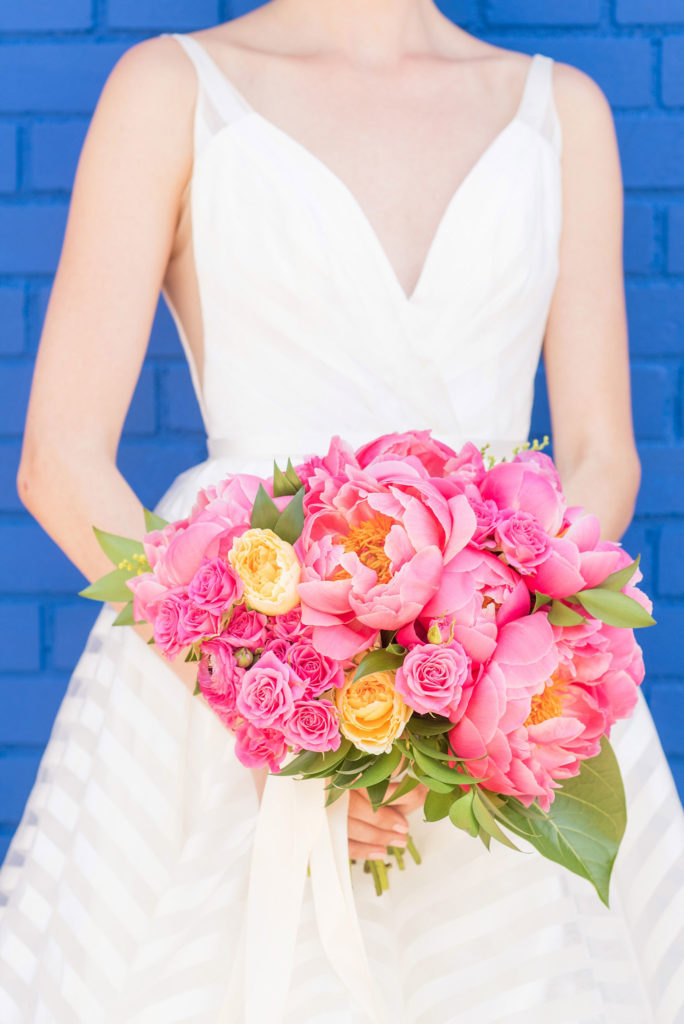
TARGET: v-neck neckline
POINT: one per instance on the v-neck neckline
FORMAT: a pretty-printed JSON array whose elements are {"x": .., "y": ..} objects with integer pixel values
[{"x": 407, "y": 299}]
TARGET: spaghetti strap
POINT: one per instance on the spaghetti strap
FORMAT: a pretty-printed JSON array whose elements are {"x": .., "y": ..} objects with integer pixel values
[
  {"x": 537, "y": 106},
  {"x": 217, "y": 88}
]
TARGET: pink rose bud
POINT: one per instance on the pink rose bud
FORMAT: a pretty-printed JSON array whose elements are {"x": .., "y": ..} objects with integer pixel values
[
  {"x": 523, "y": 540},
  {"x": 313, "y": 725},
  {"x": 432, "y": 677}
]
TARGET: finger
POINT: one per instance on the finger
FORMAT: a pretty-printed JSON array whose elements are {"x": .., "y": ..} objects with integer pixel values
[
  {"x": 366, "y": 851},
  {"x": 385, "y": 817},
  {"x": 364, "y": 832}
]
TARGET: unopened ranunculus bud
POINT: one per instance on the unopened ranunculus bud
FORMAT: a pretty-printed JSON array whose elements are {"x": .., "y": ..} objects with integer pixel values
[
  {"x": 434, "y": 634},
  {"x": 244, "y": 657}
]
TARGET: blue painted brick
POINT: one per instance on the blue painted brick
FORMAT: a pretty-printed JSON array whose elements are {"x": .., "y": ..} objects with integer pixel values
[
  {"x": 164, "y": 340},
  {"x": 150, "y": 14},
  {"x": 661, "y": 644},
  {"x": 649, "y": 12},
  {"x": 33, "y": 564},
  {"x": 651, "y": 387},
  {"x": 656, "y": 319},
  {"x": 42, "y": 16},
  {"x": 8, "y": 157},
  {"x": 36, "y": 310},
  {"x": 639, "y": 241},
  {"x": 462, "y": 12},
  {"x": 151, "y": 467},
  {"x": 55, "y": 148},
  {"x": 142, "y": 415},
  {"x": 179, "y": 404},
  {"x": 670, "y": 571},
  {"x": 675, "y": 240},
  {"x": 10, "y": 452},
  {"x": 677, "y": 769},
  {"x": 56, "y": 76},
  {"x": 17, "y": 775},
  {"x": 673, "y": 71},
  {"x": 665, "y": 695},
  {"x": 17, "y": 383},
  {"x": 540, "y": 423},
  {"x": 29, "y": 705},
  {"x": 621, "y": 67},
  {"x": 11, "y": 319},
  {"x": 652, "y": 150},
  {"x": 543, "y": 12},
  {"x": 70, "y": 627},
  {"x": 36, "y": 231},
  {"x": 20, "y": 641},
  {"x": 637, "y": 541},
  {"x": 662, "y": 481}
]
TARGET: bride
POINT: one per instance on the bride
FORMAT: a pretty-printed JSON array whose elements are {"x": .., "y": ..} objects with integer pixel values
[{"x": 363, "y": 219}]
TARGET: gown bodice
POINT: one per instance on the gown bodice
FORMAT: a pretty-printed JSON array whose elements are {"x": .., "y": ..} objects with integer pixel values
[{"x": 307, "y": 331}]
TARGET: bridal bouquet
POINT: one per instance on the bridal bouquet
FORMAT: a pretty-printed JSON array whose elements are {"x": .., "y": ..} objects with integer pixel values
[{"x": 409, "y": 610}]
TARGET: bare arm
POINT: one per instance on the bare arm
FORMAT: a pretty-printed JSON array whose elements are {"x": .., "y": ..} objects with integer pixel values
[
  {"x": 135, "y": 161},
  {"x": 586, "y": 344}
]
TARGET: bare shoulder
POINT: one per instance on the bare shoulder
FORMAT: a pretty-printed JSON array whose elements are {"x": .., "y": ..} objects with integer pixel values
[{"x": 580, "y": 101}]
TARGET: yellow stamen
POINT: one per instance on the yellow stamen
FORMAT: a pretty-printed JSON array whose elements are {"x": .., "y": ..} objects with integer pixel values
[
  {"x": 548, "y": 703},
  {"x": 367, "y": 539}
]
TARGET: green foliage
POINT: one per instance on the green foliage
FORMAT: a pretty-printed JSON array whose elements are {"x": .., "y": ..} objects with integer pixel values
[
  {"x": 290, "y": 522},
  {"x": 618, "y": 580},
  {"x": 153, "y": 521},
  {"x": 265, "y": 512},
  {"x": 561, "y": 615},
  {"x": 111, "y": 587},
  {"x": 125, "y": 616},
  {"x": 614, "y": 608},
  {"x": 117, "y": 548},
  {"x": 380, "y": 660}
]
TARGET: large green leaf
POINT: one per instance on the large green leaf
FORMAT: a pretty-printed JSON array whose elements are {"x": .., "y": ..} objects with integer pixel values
[
  {"x": 376, "y": 792},
  {"x": 153, "y": 521},
  {"x": 583, "y": 827},
  {"x": 540, "y": 600},
  {"x": 290, "y": 522},
  {"x": 380, "y": 660},
  {"x": 440, "y": 772},
  {"x": 437, "y": 805},
  {"x": 117, "y": 548},
  {"x": 265, "y": 512},
  {"x": 618, "y": 580},
  {"x": 614, "y": 608},
  {"x": 291, "y": 475},
  {"x": 561, "y": 615},
  {"x": 461, "y": 814},
  {"x": 125, "y": 616},
  {"x": 432, "y": 725},
  {"x": 111, "y": 587},
  {"x": 381, "y": 768},
  {"x": 405, "y": 786}
]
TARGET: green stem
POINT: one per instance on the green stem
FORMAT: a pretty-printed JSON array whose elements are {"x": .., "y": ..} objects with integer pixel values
[
  {"x": 411, "y": 847},
  {"x": 376, "y": 878},
  {"x": 397, "y": 852},
  {"x": 382, "y": 875}
]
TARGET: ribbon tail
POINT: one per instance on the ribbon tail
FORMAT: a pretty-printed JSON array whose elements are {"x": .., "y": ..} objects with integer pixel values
[{"x": 335, "y": 909}]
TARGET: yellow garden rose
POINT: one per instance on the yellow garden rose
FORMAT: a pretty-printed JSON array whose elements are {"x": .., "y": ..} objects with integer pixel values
[
  {"x": 269, "y": 570},
  {"x": 372, "y": 713}
]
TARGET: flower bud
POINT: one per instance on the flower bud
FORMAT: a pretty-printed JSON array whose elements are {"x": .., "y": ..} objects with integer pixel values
[
  {"x": 434, "y": 634},
  {"x": 244, "y": 657}
]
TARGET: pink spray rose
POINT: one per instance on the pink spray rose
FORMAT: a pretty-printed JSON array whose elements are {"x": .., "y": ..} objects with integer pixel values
[
  {"x": 257, "y": 747},
  {"x": 316, "y": 672},
  {"x": 219, "y": 677},
  {"x": 215, "y": 586},
  {"x": 523, "y": 541},
  {"x": 313, "y": 725},
  {"x": 269, "y": 689},
  {"x": 178, "y": 623},
  {"x": 289, "y": 626},
  {"x": 245, "y": 628},
  {"x": 432, "y": 677}
]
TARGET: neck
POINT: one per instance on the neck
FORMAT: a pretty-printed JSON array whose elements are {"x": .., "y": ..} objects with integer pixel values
[{"x": 366, "y": 31}]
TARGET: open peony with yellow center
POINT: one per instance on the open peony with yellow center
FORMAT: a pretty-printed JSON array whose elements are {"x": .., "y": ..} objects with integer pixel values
[
  {"x": 269, "y": 570},
  {"x": 372, "y": 712}
]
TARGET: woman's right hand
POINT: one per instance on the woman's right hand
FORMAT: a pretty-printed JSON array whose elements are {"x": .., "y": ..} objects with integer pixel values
[{"x": 371, "y": 832}]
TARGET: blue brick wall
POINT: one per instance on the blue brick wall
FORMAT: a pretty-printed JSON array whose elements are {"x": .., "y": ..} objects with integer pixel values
[{"x": 54, "y": 58}]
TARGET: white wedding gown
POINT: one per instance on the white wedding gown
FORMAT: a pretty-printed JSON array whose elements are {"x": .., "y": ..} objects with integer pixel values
[{"x": 124, "y": 894}]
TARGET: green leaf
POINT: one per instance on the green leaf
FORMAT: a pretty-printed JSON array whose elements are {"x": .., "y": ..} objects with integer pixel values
[
  {"x": 291, "y": 475},
  {"x": 431, "y": 726},
  {"x": 440, "y": 772},
  {"x": 328, "y": 761},
  {"x": 584, "y": 825},
  {"x": 379, "y": 660},
  {"x": 333, "y": 795},
  {"x": 376, "y": 793},
  {"x": 117, "y": 548},
  {"x": 111, "y": 587},
  {"x": 437, "y": 805},
  {"x": 461, "y": 814},
  {"x": 153, "y": 521},
  {"x": 125, "y": 616},
  {"x": 430, "y": 751},
  {"x": 405, "y": 786},
  {"x": 300, "y": 763},
  {"x": 265, "y": 512},
  {"x": 290, "y": 522},
  {"x": 197, "y": 689},
  {"x": 281, "y": 485},
  {"x": 614, "y": 608},
  {"x": 487, "y": 822},
  {"x": 618, "y": 580},
  {"x": 561, "y": 615},
  {"x": 382, "y": 768},
  {"x": 539, "y": 601},
  {"x": 433, "y": 784}
]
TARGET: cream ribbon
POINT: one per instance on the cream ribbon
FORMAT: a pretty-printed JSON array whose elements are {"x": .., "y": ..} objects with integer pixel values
[{"x": 295, "y": 829}]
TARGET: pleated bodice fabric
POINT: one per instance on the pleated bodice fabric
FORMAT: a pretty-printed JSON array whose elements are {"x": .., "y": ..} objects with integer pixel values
[{"x": 123, "y": 894}]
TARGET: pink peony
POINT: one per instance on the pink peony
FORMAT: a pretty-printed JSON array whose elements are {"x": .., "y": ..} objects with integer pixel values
[
  {"x": 215, "y": 586},
  {"x": 418, "y": 444},
  {"x": 525, "y": 486},
  {"x": 245, "y": 628},
  {"x": 257, "y": 747},
  {"x": 148, "y": 594},
  {"x": 316, "y": 672},
  {"x": 375, "y": 558},
  {"x": 432, "y": 677},
  {"x": 269, "y": 689},
  {"x": 313, "y": 725}
]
